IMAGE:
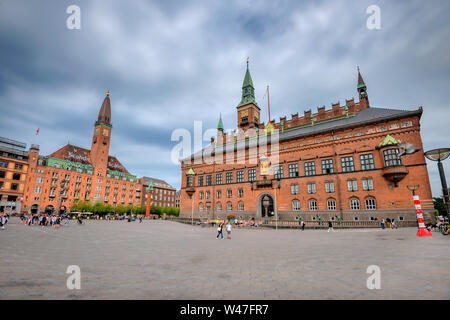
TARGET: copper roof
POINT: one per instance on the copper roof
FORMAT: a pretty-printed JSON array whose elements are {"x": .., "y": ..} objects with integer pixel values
[
  {"x": 104, "y": 116},
  {"x": 77, "y": 154}
]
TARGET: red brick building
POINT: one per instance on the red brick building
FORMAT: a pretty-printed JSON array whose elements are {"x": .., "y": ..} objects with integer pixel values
[
  {"x": 73, "y": 173},
  {"x": 162, "y": 195},
  {"x": 342, "y": 162},
  {"x": 13, "y": 173}
]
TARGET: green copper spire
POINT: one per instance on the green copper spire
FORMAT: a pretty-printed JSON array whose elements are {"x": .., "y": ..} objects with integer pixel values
[
  {"x": 361, "y": 83},
  {"x": 248, "y": 90},
  {"x": 220, "y": 125}
]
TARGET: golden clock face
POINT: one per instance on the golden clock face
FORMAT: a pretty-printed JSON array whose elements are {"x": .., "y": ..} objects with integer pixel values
[
  {"x": 105, "y": 132},
  {"x": 244, "y": 113},
  {"x": 97, "y": 131}
]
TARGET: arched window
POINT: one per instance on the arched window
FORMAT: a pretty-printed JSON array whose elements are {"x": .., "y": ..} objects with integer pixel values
[
  {"x": 371, "y": 203},
  {"x": 241, "y": 206},
  {"x": 313, "y": 205},
  {"x": 295, "y": 205},
  {"x": 219, "y": 206},
  {"x": 229, "y": 206},
  {"x": 200, "y": 207},
  {"x": 331, "y": 204},
  {"x": 354, "y": 204}
]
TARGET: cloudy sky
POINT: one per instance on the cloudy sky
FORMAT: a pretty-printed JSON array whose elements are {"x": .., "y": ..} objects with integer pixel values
[{"x": 169, "y": 63}]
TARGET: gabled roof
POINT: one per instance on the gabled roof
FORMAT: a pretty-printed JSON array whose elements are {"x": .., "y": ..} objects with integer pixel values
[{"x": 388, "y": 141}]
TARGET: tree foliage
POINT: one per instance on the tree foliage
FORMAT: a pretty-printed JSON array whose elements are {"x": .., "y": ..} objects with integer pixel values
[{"x": 439, "y": 205}]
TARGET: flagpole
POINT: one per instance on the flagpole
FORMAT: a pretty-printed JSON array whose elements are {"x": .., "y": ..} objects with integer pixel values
[{"x": 268, "y": 101}]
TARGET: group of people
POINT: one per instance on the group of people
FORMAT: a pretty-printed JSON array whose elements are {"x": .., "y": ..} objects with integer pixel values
[
  {"x": 220, "y": 230},
  {"x": 238, "y": 223},
  {"x": 388, "y": 223},
  {"x": 42, "y": 219}
]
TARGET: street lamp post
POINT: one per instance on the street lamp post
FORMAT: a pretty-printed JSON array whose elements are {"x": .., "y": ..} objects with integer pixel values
[
  {"x": 276, "y": 208},
  {"x": 190, "y": 190},
  {"x": 149, "y": 196},
  {"x": 439, "y": 155},
  {"x": 413, "y": 188}
]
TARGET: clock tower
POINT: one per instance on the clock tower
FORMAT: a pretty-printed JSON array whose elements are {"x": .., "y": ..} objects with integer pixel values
[
  {"x": 102, "y": 137},
  {"x": 248, "y": 111}
]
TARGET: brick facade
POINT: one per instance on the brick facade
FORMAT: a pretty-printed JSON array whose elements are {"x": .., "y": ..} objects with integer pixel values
[
  {"x": 89, "y": 175},
  {"x": 346, "y": 140}
]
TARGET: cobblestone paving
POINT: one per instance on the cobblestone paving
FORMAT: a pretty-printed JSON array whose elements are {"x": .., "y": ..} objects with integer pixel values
[{"x": 169, "y": 260}]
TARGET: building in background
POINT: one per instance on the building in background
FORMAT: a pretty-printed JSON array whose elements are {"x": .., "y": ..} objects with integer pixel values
[
  {"x": 163, "y": 194},
  {"x": 177, "y": 199},
  {"x": 74, "y": 173},
  {"x": 13, "y": 174},
  {"x": 340, "y": 163}
]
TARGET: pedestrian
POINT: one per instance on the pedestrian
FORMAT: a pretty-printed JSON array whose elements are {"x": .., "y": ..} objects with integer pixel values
[
  {"x": 4, "y": 221},
  {"x": 302, "y": 224},
  {"x": 140, "y": 219},
  {"x": 330, "y": 226},
  {"x": 219, "y": 231},
  {"x": 394, "y": 226},
  {"x": 382, "y": 223},
  {"x": 229, "y": 230}
]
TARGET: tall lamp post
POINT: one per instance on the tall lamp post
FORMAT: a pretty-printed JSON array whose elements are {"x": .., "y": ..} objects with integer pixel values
[
  {"x": 276, "y": 208},
  {"x": 149, "y": 196},
  {"x": 439, "y": 155},
  {"x": 190, "y": 190}
]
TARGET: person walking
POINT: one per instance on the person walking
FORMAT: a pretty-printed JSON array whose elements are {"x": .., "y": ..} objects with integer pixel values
[
  {"x": 219, "y": 231},
  {"x": 302, "y": 224},
  {"x": 330, "y": 226},
  {"x": 382, "y": 223},
  {"x": 229, "y": 230},
  {"x": 394, "y": 226},
  {"x": 4, "y": 221},
  {"x": 140, "y": 219}
]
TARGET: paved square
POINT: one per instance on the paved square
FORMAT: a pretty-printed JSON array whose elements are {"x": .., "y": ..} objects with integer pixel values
[{"x": 169, "y": 260}]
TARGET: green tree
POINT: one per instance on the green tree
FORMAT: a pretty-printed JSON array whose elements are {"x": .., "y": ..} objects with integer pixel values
[
  {"x": 439, "y": 205},
  {"x": 121, "y": 209}
]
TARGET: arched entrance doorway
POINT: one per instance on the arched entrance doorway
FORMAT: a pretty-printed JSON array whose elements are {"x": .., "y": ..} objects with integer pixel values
[
  {"x": 49, "y": 209},
  {"x": 34, "y": 208},
  {"x": 62, "y": 210},
  {"x": 266, "y": 205}
]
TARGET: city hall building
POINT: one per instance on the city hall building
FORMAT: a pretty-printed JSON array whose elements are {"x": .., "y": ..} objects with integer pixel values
[
  {"x": 74, "y": 173},
  {"x": 338, "y": 163}
]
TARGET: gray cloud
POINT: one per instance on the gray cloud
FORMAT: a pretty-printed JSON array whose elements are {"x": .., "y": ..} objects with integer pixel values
[{"x": 169, "y": 63}]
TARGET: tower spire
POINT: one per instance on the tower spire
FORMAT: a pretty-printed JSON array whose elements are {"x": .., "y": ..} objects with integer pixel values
[
  {"x": 220, "y": 124},
  {"x": 104, "y": 115},
  {"x": 248, "y": 90},
  {"x": 360, "y": 80},
  {"x": 362, "y": 90}
]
